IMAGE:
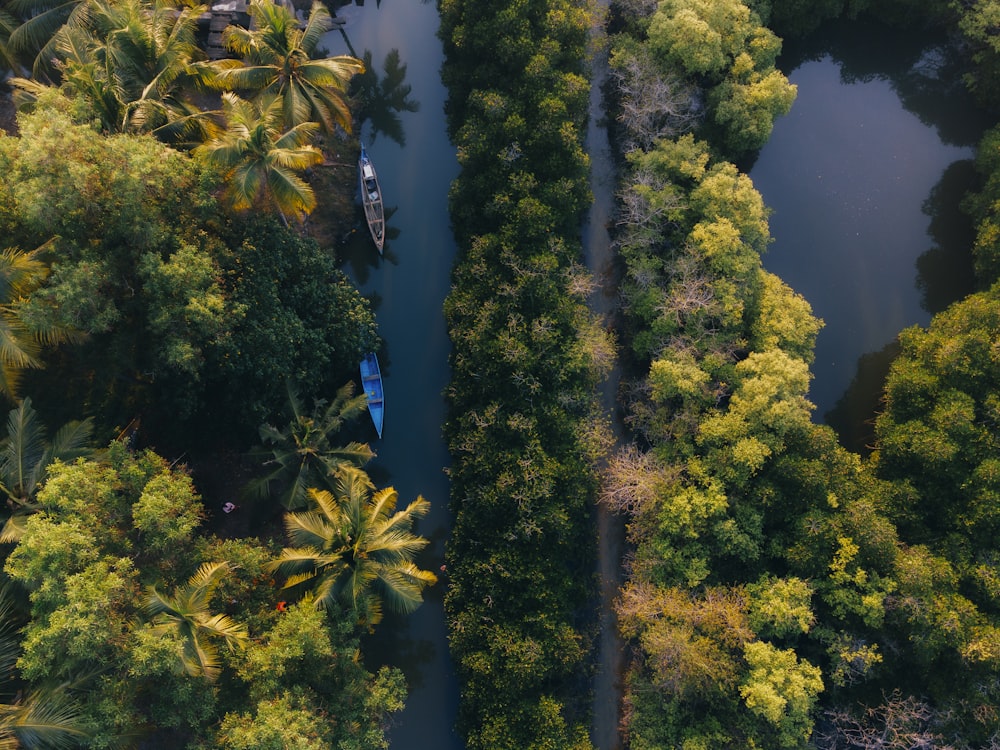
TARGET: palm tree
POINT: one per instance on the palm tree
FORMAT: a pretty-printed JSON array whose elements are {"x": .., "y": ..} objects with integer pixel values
[
  {"x": 261, "y": 159},
  {"x": 25, "y": 456},
  {"x": 355, "y": 550},
  {"x": 303, "y": 454},
  {"x": 186, "y": 615},
  {"x": 135, "y": 62},
  {"x": 43, "y": 719},
  {"x": 21, "y": 343},
  {"x": 8, "y": 60},
  {"x": 34, "y": 24},
  {"x": 278, "y": 54}
]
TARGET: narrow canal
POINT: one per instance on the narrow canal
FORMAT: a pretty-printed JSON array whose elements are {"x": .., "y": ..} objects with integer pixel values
[
  {"x": 864, "y": 177},
  {"x": 416, "y": 164}
]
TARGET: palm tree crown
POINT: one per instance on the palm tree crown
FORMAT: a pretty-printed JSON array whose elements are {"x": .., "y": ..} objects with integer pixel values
[
  {"x": 262, "y": 159},
  {"x": 303, "y": 454},
  {"x": 278, "y": 54},
  {"x": 357, "y": 549},
  {"x": 186, "y": 615}
]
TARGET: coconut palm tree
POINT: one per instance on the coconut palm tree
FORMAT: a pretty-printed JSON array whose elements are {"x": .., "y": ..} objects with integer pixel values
[
  {"x": 355, "y": 550},
  {"x": 303, "y": 454},
  {"x": 186, "y": 615},
  {"x": 261, "y": 159},
  {"x": 26, "y": 454},
  {"x": 277, "y": 54},
  {"x": 21, "y": 343},
  {"x": 136, "y": 62},
  {"x": 33, "y": 30}
]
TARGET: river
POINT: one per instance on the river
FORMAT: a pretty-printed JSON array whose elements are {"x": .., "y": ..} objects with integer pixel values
[
  {"x": 408, "y": 286},
  {"x": 864, "y": 176}
]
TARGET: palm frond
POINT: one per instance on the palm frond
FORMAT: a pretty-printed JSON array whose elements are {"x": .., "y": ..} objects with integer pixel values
[
  {"x": 15, "y": 526},
  {"x": 201, "y": 586},
  {"x": 318, "y": 23},
  {"x": 402, "y": 586},
  {"x": 45, "y": 721},
  {"x": 234, "y": 633},
  {"x": 312, "y": 531},
  {"x": 353, "y": 454},
  {"x": 23, "y": 449}
]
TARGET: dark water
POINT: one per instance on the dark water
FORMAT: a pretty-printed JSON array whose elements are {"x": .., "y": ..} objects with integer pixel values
[
  {"x": 408, "y": 287},
  {"x": 864, "y": 177}
]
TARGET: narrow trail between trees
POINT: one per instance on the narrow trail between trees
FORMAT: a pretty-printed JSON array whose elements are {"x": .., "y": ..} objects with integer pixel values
[{"x": 605, "y": 732}]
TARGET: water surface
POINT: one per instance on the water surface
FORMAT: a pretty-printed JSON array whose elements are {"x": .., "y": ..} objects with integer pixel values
[
  {"x": 864, "y": 176},
  {"x": 408, "y": 286}
]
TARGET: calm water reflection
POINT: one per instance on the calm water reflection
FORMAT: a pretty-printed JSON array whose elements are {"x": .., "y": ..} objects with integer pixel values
[
  {"x": 404, "y": 132},
  {"x": 864, "y": 177}
]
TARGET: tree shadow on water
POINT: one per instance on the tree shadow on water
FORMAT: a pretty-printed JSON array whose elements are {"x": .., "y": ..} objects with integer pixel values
[
  {"x": 923, "y": 66},
  {"x": 853, "y": 416},
  {"x": 381, "y": 99},
  {"x": 946, "y": 271}
]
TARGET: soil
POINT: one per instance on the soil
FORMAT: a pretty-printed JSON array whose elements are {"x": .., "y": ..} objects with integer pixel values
[
  {"x": 608, "y": 679},
  {"x": 8, "y": 122},
  {"x": 334, "y": 183}
]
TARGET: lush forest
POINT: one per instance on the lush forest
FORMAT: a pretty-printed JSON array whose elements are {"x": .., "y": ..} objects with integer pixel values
[
  {"x": 176, "y": 333},
  {"x": 784, "y": 592},
  {"x": 780, "y": 591},
  {"x": 178, "y": 340}
]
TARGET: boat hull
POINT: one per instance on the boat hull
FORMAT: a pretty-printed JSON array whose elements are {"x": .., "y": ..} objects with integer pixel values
[
  {"x": 371, "y": 381},
  {"x": 371, "y": 198}
]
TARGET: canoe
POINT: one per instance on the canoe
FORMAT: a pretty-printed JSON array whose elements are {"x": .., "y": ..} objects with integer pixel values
[
  {"x": 371, "y": 381},
  {"x": 371, "y": 198}
]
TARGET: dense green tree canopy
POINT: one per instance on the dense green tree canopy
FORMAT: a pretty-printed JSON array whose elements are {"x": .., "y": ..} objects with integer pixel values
[
  {"x": 132, "y": 604},
  {"x": 181, "y": 305}
]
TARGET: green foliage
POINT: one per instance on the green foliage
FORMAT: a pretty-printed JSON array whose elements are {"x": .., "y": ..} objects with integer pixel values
[
  {"x": 355, "y": 549},
  {"x": 984, "y": 207},
  {"x": 785, "y": 320},
  {"x": 977, "y": 23},
  {"x": 782, "y": 689},
  {"x": 149, "y": 634},
  {"x": 780, "y": 607},
  {"x": 723, "y": 46},
  {"x": 741, "y": 499},
  {"x": 938, "y": 428},
  {"x": 523, "y": 372},
  {"x": 316, "y": 652},
  {"x": 297, "y": 318},
  {"x": 302, "y": 453}
]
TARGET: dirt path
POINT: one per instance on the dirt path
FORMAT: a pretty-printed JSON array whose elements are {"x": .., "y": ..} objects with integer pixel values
[{"x": 605, "y": 733}]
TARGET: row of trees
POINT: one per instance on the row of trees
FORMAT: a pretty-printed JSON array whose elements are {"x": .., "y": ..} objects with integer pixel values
[
  {"x": 520, "y": 559},
  {"x": 784, "y": 593}
]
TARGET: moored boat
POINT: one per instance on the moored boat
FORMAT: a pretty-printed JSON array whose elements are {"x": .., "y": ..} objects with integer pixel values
[
  {"x": 371, "y": 198},
  {"x": 371, "y": 381}
]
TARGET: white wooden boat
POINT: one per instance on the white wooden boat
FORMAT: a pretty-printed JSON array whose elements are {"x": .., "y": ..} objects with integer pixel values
[{"x": 371, "y": 198}]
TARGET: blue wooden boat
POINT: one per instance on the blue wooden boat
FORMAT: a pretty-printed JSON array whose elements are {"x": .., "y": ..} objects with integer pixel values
[
  {"x": 371, "y": 198},
  {"x": 371, "y": 381}
]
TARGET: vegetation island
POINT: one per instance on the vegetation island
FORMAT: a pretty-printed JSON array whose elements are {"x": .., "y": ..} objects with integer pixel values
[{"x": 177, "y": 341}]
